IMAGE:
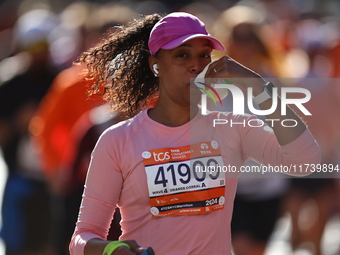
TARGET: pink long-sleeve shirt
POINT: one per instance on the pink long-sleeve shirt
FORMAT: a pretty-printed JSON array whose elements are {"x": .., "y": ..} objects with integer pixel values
[{"x": 117, "y": 177}]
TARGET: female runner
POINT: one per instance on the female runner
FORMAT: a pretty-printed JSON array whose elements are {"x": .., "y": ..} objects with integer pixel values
[{"x": 152, "y": 165}]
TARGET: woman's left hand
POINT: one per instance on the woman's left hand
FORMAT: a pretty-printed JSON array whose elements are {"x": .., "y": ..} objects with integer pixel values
[{"x": 239, "y": 75}]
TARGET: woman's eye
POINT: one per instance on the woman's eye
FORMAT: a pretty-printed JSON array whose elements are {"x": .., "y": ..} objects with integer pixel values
[
  {"x": 205, "y": 55},
  {"x": 182, "y": 55}
]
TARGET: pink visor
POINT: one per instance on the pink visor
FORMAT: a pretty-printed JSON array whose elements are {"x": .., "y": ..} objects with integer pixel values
[{"x": 177, "y": 28}]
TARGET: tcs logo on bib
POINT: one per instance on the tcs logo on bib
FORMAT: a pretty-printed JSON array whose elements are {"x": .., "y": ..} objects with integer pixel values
[{"x": 161, "y": 156}]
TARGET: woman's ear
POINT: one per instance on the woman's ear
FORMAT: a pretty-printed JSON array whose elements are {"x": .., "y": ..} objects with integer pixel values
[{"x": 153, "y": 65}]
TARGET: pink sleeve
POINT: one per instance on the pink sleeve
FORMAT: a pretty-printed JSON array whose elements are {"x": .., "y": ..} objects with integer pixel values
[
  {"x": 102, "y": 189},
  {"x": 261, "y": 145}
]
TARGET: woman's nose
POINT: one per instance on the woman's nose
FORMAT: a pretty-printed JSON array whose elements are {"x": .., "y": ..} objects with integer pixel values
[{"x": 197, "y": 65}]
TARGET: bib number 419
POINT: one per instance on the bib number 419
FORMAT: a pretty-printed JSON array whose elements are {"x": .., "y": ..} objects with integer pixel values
[{"x": 182, "y": 174}]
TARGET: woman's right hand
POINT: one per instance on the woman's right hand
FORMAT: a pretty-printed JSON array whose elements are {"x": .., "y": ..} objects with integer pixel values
[
  {"x": 124, "y": 250},
  {"x": 96, "y": 246}
]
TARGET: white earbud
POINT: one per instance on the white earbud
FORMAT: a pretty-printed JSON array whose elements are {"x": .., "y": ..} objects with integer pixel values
[{"x": 155, "y": 68}]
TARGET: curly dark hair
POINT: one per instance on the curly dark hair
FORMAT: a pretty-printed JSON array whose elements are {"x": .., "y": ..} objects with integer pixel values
[{"x": 118, "y": 66}]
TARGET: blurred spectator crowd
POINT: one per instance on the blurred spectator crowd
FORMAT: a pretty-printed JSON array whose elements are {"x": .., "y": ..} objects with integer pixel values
[{"x": 49, "y": 125}]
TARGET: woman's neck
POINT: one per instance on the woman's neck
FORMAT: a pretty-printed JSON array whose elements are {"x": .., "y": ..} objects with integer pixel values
[{"x": 172, "y": 116}]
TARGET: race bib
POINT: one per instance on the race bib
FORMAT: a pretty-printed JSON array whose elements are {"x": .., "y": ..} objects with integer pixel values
[{"x": 185, "y": 180}]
